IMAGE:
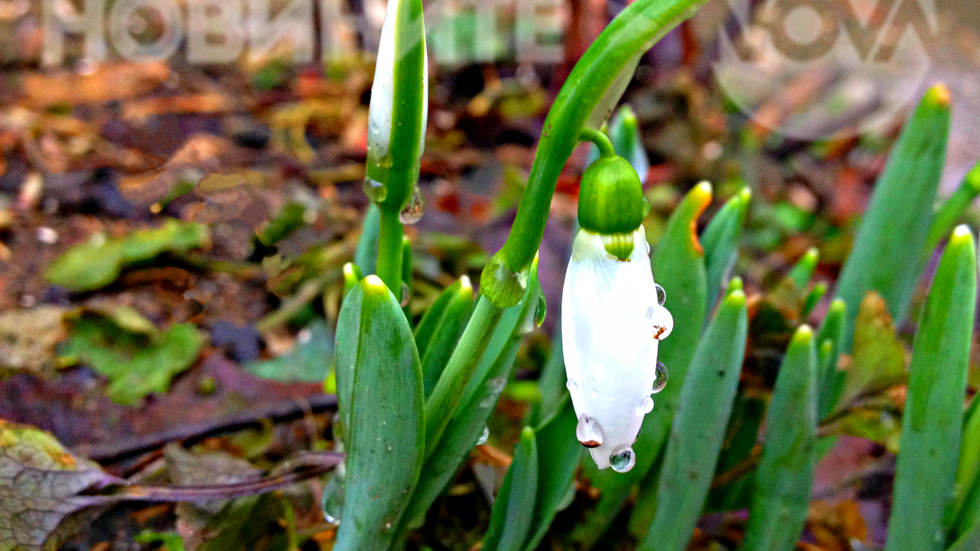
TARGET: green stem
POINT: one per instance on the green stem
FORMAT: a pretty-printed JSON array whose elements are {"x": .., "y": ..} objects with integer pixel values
[
  {"x": 390, "y": 251},
  {"x": 449, "y": 390},
  {"x": 601, "y": 141}
]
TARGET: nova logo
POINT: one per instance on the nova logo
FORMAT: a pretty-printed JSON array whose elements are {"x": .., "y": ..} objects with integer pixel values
[{"x": 812, "y": 68}]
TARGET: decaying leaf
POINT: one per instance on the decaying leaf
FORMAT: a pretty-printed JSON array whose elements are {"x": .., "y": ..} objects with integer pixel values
[
  {"x": 137, "y": 357},
  {"x": 28, "y": 339},
  {"x": 878, "y": 358},
  {"x": 40, "y": 483}
]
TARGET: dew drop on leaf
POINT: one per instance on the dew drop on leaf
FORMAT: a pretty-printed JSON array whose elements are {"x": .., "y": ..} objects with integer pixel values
[
  {"x": 413, "y": 211},
  {"x": 375, "y": 190}
]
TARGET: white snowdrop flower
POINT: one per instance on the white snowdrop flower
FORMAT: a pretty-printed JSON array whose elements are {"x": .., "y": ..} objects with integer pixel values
[{"x": 612, "y": 316}]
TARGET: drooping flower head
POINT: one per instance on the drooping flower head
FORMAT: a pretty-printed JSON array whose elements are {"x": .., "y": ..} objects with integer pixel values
[{"x": 612, "y": 316}]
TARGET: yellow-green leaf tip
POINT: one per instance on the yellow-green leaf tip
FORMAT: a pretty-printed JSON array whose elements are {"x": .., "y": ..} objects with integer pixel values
[
  {"x": 735, "y": 298},
  {"x": 373, "y": 284},
  {"x": 803, "y": 335},
  {"x": 938, "y": 96},
  {"x": 961, "y": 235},
  {"x": 838, "y": 305},
  {"x": 735, "y": 285}
]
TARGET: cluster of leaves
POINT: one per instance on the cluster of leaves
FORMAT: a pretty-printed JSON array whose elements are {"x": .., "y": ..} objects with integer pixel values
[{"x": 439, "y": 383}]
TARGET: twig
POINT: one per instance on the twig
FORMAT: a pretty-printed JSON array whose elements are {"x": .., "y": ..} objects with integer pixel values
[
  {"x": 306, "y": 466},
  {"x": 112, "y": 452}
]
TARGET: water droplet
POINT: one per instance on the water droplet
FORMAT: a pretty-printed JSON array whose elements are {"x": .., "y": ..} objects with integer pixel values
[
  {"x": 663, "y": 323},
  {"x": 503, "y": 286},
  {"x": 541, "y": 312},
  {"x": 660, "y": 380},
  {"x": 623, "y": 461},
  {"x": 588, "y": 432},
  {"x": 406, "y": 295},
  {"x": 484, "y": 436},
  {"x": 375, "y": 190},
  {"x": 333, "y": 500},
  {"x": 413, "y": 211},
  {"x": 661, "y": 294},
  {"x": 494, "y": 387},
  {"x": 646, "y": 406}
]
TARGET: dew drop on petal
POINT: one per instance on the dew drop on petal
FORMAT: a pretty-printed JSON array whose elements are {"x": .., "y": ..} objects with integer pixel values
[
  {"x": 623, "y": 461},
  {"x": 660, "y": 380},
  {"x": 484, "y": 436},
  {"x": 661, "y": 294},
  {"x": 375, "y": 190},
  {"x": 646, "y": 406},
  {"x": 588, "y": 432},
  {"x": 333, "y": 500},
  {"x": 413, "y": 211},
  {"x": 662, "y": 321}
]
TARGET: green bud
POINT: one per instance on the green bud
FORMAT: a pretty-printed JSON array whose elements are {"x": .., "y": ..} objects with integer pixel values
[{"x": 611, "y": 203}]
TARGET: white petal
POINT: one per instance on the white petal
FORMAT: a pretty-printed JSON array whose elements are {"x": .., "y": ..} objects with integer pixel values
[
  {"x": 608, "y": 339},
  {"x": 383, "y": 89}
]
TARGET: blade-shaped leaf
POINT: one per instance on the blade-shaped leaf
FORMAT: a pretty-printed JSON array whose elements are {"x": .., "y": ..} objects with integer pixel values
[
  {"x": 720, "y": 242},
  {"x": 440, "y": 329},
  {"x": 466, "y": 422},
  {"x": 784, "y": 478},
  {"x": 889, "y": 242},
  {"x": 513, "y": 509},
  {"x": 366, "y": 254},
  {"x": 678, "y": 265},
  {"x": 559, "y": 453},
  {"x": 932, "y": 425},
  {"x": 829, "y": 339},
  {"x": 699, "y": 427},
  {"x": 380, "y": 402}
]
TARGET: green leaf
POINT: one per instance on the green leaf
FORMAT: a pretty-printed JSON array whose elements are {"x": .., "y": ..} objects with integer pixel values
[
  {"x": 720, "y": 242},
  {"x": 969, "y": 462},
  {"x": 802, "y": 271},
  {"x": 307, "y": 362},
  {"x": 815, "y": 296},
  {"x": 829, "y": 339},
  {"x": 952, "y": 209},
  {"x": 784, "y": 478},
  {"x": 366, "y": 254},
  {"x": 440, "y": 329},
  {"x": 99, "y": 261},
  {"x": 465, "y": 422},
  {"x": 380, "y": 402},
  {"x": 137, "y": 361},
  {"x": 888, "y": 246},
  {"x": 699, "y": 427},
  {"x": 558, "y": 457},
  {"x": 510, "y": 519},
  {"x": 925, "y": 474},
  {"x": 678, "y": 265},
  {"x": 289, "y": 219}
]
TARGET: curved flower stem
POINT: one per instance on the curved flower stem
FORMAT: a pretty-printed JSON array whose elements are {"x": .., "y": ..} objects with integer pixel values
[
  {"x": 593, "y": 86},
  {"x": 390, "y": 251},
  {"x": 600, "y": 140}
]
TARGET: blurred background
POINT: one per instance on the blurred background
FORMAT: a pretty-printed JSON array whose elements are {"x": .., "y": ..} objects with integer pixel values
[{"x": 224, "y": 141}]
